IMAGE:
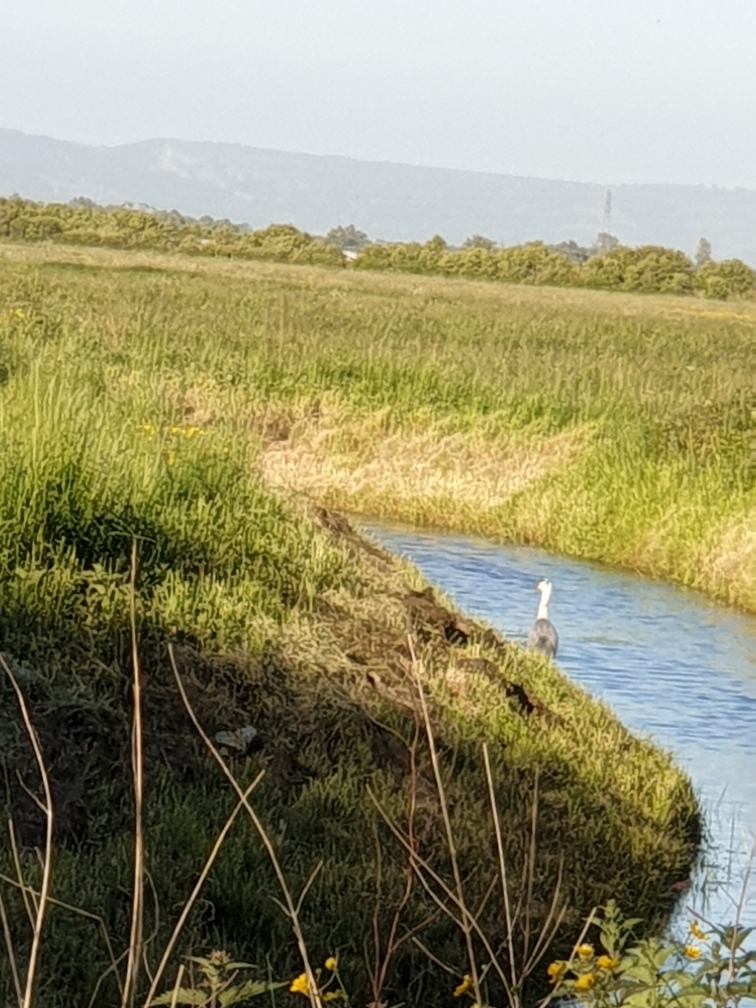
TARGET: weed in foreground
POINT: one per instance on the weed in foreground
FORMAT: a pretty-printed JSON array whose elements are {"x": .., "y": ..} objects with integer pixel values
[{"x": 714, "y": 967}]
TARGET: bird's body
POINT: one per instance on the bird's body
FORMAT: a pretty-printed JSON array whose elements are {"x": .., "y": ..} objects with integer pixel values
[{"x": 543, "y": 637}]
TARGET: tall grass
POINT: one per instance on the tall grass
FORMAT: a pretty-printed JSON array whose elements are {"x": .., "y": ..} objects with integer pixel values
[
  {"x": 607, "y": 426},
  {"x": 143, "y": 406}
]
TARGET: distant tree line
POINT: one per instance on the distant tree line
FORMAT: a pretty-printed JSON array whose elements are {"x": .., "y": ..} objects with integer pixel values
[
  {"x": 648, "y": 269},
  {"x": 85, "y": 223}
]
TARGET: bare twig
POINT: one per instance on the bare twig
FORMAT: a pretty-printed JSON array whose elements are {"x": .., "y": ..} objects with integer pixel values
[
  {"x": 308, "y": 884},
  {"x": 11, "y": 952},
  {"x": 434, "y": 958},
  {"x": 291, "y": 910},
  {"x": 466, "y": 914},
  {"x": 137, "y": 897},
  {"x": 27, "y": 889},
  {"x": 502, "y": 866},
  {"x": 44, "y": 891},
  {"x": 29, "y": 900},
  {"x": 588, "y": 921},
  {"x": 177, "y": 986},
  {"x": 196, "y": 891},
  {"x": 450, "y": 842},
  {"x": 381, "y": 964},
  {"x": 531, "y": 867},
  {"x": 113, "y": 968},
  {"x": 739, "y": 910}
]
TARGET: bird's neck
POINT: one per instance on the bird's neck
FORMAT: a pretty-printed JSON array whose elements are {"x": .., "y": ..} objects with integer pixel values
[{"x": 543, "y": 607}]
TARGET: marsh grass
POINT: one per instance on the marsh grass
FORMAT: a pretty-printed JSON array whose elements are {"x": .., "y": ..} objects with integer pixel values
[
  {"x": 141, "y": 406},
  {"x": 613, "y": 427}
]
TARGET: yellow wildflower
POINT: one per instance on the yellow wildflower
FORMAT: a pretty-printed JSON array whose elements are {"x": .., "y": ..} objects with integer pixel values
[
  {"x": 586, "y": 982},
  {"x": 606, "y": 962},
  {"x": 585, "y": 951},
  {"x": 692, "y": 952},
  {"x": 464, "y": 987},
  {"x": 696, "y": 931},
  {"x": 300, "y": 986},
  {"x": 556, "y": 971},
  {"x": 171, "y": 458},
  {"x": 331, "y": 963}
]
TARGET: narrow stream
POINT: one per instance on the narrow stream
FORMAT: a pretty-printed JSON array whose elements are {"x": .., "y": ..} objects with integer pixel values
[{"x": 671, "y": 664}]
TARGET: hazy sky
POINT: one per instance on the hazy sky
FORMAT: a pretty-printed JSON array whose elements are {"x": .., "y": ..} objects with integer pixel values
[{"x": 592, "y": 90}]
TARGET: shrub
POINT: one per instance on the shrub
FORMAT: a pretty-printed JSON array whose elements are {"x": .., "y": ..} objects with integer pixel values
[{"x": 731, "y": 278}]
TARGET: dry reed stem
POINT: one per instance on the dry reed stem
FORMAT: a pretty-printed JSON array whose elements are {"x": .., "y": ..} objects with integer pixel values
[
  {"x": 82, "y": 913},
  {"x": 468, "y": 922},
  {"x": 44, "y": 891},
  {"x": 177, "y": 986},
  {"x": 380, "y": 968},
  {"x": 11, "y": 952},
  {"x": 196, "y": 891},
  {"x": 113, "y": 968},
  {"x": 137, "y": 898},
  {"x": 588, "y": 921},
  {"x": 290, "y": 909},
  {"x": 29, "y": 900},
  {"x": 502, "y": 867},
  {"x": 450, "y": 841},
  {"x": 531, "y": 866},
  {"x": 448, "y": 892}
]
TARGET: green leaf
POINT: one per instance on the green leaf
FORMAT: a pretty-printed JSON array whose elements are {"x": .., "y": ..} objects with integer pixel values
[
  {"x": 185, "y": 997},
  {"x": 245, "y": 991}
]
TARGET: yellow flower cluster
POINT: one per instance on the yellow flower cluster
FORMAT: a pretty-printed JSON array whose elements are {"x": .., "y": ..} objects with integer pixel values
[
  {"x": 586, "y": 982},
  {"x": 187, "y": 432},
  {"x": 299, "y": 985},
  {"x": 696, "y": 931},
  {"x": 595, "y": 971},
  {"x": 692, "y": 952},
  {"x": 464, "y": 987},
  {"x": 556, "y": 971},
  {"x": 606, "y": 962}
]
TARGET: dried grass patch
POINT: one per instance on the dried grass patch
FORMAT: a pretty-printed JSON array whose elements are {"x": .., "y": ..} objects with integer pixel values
[
  {"x": 359, "y": 470},
  {"x": 728, "y": 566}
]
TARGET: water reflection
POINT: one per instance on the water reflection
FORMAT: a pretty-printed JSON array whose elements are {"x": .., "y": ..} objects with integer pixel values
[{"x": 669, "y": 662}]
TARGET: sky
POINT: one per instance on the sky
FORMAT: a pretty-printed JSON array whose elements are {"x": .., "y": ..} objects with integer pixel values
[{"x": 605, "y": 91}]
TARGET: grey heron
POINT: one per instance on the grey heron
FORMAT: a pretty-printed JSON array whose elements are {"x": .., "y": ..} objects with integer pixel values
[{"x": 543, "y": 637}]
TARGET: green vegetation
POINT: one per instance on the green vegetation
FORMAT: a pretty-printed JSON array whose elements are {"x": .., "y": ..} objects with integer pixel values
[
  {"x": 646, "y": 270},
  {"x": 712, "y": 967},
  {"x": 147, "y": 399},
  {"x": 86, "y": 223}
]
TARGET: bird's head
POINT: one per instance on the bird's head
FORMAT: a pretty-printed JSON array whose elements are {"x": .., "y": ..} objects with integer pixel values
[{"x": 544, "y": 587}]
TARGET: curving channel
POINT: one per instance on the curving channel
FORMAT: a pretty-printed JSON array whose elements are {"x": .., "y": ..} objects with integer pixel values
[{"x": 671, "y": 664}]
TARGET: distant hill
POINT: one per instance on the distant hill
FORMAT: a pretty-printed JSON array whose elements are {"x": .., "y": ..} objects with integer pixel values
[{"x": 388, "y": 201}]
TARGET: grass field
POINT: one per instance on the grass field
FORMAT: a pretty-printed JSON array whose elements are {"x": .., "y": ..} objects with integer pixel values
[
  {"x": 156, "y": 399},
  {"x": 618, "y": 428}
]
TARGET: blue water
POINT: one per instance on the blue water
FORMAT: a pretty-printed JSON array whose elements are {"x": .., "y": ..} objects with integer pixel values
[{"x": 671, "y": 664}]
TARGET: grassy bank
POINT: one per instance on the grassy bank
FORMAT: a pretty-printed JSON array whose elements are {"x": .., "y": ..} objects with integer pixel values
[
  {"x": 141, "y": 401},
  {"x": 611, "y": 427}
]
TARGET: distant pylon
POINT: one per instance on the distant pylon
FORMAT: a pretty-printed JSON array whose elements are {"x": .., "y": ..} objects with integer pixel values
[
  {"x": 606, "y": 241},
  {"x": 606, "y": 224}
]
